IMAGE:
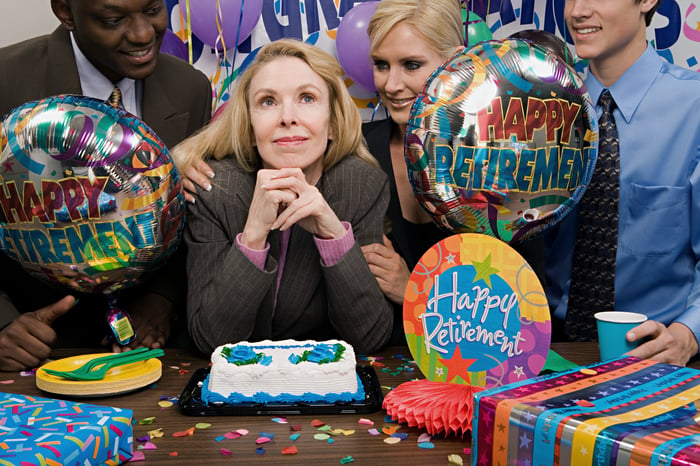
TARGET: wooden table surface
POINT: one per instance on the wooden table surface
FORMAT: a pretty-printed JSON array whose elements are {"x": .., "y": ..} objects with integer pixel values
[{"x": 204, "y": 448}]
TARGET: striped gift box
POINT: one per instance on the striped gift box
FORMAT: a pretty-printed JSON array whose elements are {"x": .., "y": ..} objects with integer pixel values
[{"x": 621, "y": 412}]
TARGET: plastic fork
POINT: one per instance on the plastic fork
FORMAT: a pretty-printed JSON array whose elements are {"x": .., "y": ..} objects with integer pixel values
[
  {"x": 98, "y": 370},
  {"x": 92, "y": 363}
]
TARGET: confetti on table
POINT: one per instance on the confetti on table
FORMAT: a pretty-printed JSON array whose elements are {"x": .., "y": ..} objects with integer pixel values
[
  {"x": 165, "y": 404},
  {"x": 424, "y": 437},
  {"x": 368, "y": 422},
  {"x": 143, "y": 438},
  {"x": 392, "y": 440},
  {"x": 147, "y": 421},
  {"x": 226, "y": 452},
  {"x": 293, "y": 437},
  {"x": 242, "y": 431},
  {"x": 373, "y": 431},
  {"x": 401, "y": 435},
  {"x": 261, "y": 440},
  {"x": 149, "y": 446},
  {"x": 7, "y": 382},
  {"x": 173, "y": 453},
  {"x": 321, "y": 436},
  {"x": 260, "y": 451},
  {"x": 348, "y": 432},
  {"x": 346, "y": 460},
  {"x": 232, "y": 435},
  {"x": 28, "y": 373},
  {"x": 156, "y": 433},
  {"x": 202, "y": 425},
  {"x": 317, "y": 423},
  {"x": 186, "y": 364},
  {"x": 269, "y": 435},
  {"x": 184, "y": 433},
  {"x": 137, "y": 456},
  {"x": 389, "y": 430},
  {"x": 324, "y": 428},
  {"x": 279, "y": 420},
  {"x": 183, "y": 371},
  {"x": 455, "y": 459},
  {"x": 331, "y": 440},
  {"x": 426, "y": 445},
  {"x": 295, "y": 427},
  {"x": 290, "y": 450},
  {"x": 467, "y": 451}
]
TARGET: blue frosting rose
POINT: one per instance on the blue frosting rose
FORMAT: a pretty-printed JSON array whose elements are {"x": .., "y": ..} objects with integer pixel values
[{"x": 321, "y": 353}]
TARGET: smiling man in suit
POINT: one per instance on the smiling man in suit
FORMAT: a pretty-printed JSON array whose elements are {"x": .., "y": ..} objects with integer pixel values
[{"x": 99, "y": 45}]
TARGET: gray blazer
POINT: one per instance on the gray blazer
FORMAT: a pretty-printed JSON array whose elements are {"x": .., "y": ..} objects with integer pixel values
[{"x": 230, "y": 299}]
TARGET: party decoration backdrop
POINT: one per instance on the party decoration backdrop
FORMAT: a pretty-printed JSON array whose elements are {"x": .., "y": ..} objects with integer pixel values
[
  {"x": 89, "y": 196},
  {"x": 674, "y": 32},
  {"x": 502, "y": 141}
]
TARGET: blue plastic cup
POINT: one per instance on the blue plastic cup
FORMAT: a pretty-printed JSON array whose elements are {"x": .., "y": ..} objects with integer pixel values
[{"x": 612, "y": 327}]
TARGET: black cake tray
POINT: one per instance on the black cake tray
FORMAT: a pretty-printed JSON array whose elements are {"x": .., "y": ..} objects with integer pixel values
[{"x": 191, "y": 404}]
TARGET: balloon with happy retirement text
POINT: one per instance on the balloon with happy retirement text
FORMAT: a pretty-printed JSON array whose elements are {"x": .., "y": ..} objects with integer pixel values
[
  {"x": 89, "y": 195},
  {"x": 501, "y": 141}
]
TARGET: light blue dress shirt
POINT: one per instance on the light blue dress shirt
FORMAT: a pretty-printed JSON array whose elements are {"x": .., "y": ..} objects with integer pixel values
[
  {"x": 658, "y": 254},
  {"x": 94, "y": 84}
]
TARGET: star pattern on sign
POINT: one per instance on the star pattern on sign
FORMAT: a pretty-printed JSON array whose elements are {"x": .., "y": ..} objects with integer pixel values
[
  {"x": 518, "y": 371},
  {"x": 451, "y": 258},
  {"x": 438, "y": 371},
  {"x": 8, "y": 166},
  {"x": 456, "y": 366},
  {"x": 484, "y": 270}
]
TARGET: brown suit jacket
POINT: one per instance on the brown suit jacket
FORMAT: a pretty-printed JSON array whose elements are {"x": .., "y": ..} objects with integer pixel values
[{"x": 176, "y": 102}]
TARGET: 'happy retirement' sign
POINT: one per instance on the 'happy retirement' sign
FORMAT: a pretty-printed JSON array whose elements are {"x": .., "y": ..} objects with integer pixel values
[{"x": 475, "y": 312}]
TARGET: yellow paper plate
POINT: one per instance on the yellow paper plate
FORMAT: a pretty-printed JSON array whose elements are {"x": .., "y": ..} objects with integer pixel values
[{"x": 120, "y": 379}]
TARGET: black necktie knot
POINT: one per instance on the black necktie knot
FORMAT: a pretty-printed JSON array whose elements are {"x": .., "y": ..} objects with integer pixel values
[{"x": 115, "y": 98}]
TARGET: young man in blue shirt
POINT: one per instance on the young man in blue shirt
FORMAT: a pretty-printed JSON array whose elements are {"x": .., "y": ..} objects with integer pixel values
[{"x": 657, "y": 270}]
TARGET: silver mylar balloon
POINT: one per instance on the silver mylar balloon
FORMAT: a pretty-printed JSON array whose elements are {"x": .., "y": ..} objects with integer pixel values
[
  {"x": 89, "y": 195},
  {"x": 502, "y": 141}
]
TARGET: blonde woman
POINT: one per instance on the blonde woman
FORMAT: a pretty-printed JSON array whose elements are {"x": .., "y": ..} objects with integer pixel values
[
  {"x": 409, "y": 39},
  {"x": 274, "y": 247}
]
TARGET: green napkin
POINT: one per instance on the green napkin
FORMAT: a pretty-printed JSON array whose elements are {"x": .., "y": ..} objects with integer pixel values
[{"x": 556, "y": 363}]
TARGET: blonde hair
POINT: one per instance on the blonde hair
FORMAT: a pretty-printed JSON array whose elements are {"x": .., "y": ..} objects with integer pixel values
[
  {"x": 439, "y": 22},
  {"x": 232, "y": 132}
]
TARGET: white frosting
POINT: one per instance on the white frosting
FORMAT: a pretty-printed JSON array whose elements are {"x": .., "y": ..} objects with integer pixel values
[{"x": 282, "y": 376}]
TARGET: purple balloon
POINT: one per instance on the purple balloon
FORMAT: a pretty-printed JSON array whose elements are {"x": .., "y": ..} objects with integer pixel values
[
  {"x": 352, "y": 45},
  {"x": 237, "y": 18},
  {"x": 172, "y": 45}
]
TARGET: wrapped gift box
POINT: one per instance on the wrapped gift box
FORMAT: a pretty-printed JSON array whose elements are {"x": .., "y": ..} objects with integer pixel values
[
  {"x": 43, "y": 431},
  {"x": 625, "y": 411}
]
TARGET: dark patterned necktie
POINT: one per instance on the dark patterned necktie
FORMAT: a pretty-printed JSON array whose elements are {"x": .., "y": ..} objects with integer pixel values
[
  {"x": 115, "y": 98},
  {"x": 593, "y": 271}
]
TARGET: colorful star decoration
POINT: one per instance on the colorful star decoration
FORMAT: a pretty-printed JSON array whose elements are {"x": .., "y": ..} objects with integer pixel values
[
  {"x": 484, "y": 270},
  {"x": 456, "y": 366}
]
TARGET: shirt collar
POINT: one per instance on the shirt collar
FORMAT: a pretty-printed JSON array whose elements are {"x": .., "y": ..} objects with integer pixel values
[
  {"x": 634, "y": 83},
  {"x": 95, "y": 84}
]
